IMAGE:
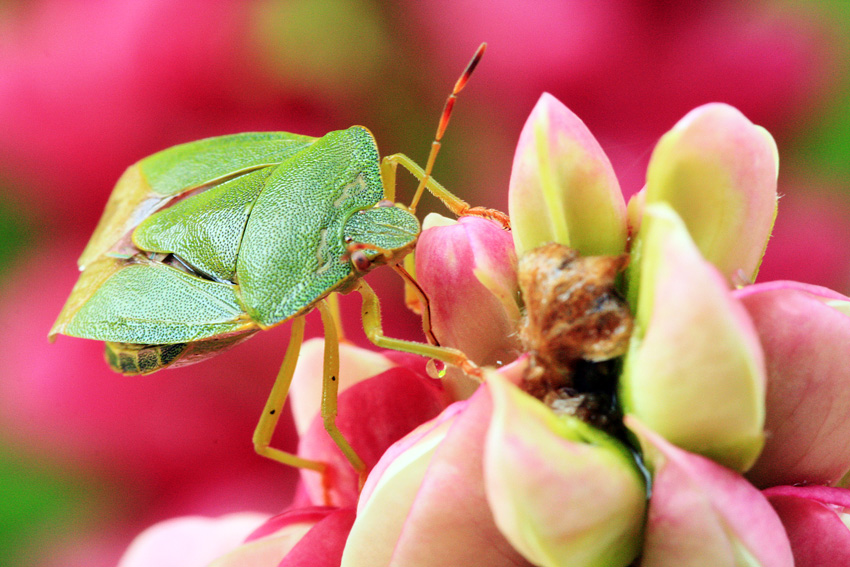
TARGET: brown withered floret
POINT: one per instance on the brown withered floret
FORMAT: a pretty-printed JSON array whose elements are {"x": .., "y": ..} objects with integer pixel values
[{"x": 575, "y": 321}]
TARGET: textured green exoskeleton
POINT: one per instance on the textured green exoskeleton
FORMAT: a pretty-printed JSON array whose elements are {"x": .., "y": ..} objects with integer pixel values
[
  {"x": 256, "y": 236},
  {"x": 206, "y": 243}
]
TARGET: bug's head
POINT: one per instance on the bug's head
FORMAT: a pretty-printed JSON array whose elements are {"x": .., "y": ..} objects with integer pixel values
[{"x": 383, "y": 234}]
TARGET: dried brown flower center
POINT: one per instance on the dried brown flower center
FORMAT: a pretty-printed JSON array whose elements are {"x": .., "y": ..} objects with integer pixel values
[{"x": 575, "y": 325}]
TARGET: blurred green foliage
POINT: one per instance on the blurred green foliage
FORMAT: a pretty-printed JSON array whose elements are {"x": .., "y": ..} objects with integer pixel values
[
  {"x": 824, "y": 144},
  {"x": 41, "y": 502},
  {"x": 15, "y": 232}
]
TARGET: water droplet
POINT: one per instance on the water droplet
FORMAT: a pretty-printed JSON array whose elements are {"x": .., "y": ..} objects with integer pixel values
[{"x": 435, "y": 369}]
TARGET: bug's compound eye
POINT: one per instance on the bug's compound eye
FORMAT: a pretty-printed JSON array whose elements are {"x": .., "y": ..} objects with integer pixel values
[{"x": 360, "y": 261}]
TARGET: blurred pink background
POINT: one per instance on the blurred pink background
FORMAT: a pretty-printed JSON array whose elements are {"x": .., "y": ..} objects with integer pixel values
[{"x": 89, "y": 458}]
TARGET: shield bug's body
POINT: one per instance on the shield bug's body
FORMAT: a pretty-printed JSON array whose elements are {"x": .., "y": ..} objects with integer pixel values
[{"x": 204, "y": 244}]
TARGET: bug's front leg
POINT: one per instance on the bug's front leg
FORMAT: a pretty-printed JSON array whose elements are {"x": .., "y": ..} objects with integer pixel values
[
  {"x": 389, "y": 164},
  {"x": 416, "y": 299},
  {"x": 454, "y": 203}
]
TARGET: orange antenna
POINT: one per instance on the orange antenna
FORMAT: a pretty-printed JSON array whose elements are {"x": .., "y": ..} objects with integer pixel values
[{"x": 444, "y": 122}]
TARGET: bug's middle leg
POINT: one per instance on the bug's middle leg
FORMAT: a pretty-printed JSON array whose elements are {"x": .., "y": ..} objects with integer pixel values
[
  {"x": 333, "y": 303},
  {"x": 371, "y": 312}
]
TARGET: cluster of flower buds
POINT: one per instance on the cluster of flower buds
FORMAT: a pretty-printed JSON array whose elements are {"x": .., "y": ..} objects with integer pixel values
[{"x": 644, "y": 402}]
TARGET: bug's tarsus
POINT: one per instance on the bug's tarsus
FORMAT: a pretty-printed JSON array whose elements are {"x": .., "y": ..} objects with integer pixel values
[
  {"x": 492, "y": 214},
  {"x": 371, "y": 315},
  {"x": 444, "y": 122}
]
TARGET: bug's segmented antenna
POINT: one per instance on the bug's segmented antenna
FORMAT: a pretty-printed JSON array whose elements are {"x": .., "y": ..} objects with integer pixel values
[{"x": 444, "y": 122}]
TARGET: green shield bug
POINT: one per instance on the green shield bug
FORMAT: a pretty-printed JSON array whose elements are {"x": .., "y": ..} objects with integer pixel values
[{"x": 204, "y": 244}]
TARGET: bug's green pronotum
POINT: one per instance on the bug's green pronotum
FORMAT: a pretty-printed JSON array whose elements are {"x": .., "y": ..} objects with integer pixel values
[{"x": 206, "y": 243}]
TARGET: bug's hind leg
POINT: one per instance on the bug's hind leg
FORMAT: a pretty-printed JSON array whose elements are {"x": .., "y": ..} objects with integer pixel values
[
  {"x": 330, "y": 388},
  {"x": 371, "y": 312},
  {"x": 274, "y": 406}
]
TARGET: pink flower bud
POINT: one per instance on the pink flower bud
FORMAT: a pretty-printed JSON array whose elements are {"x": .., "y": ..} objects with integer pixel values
[
  {"x": 701, "y": 513},
  {"x": 563, "y": 188},
  {"x": 467, "y": 268},
  {"x": 562, "y": 492},
  {"x": 694, "y": 372},
  {"x": 718, "y": 171},
  {"x": 805, "y": 333},
  {"x": 424, "y": 503}
]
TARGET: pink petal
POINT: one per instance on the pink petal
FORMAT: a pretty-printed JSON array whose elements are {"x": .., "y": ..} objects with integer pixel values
[
  {"x": 718, "y": 171},
  {"x": 450, "y": 520},
  {"x": 695, "y": 371},
  {"x": 322, "y": 546},
  {"x": 446, "y": 519},
  {"x": 355, "y": 365},
  {"x": 372, "y": 415},
  {"x": 390, "y": 491},
  {"x": 806, "y": 342},
  {"x": 189, "y": 541},
  {"x": 701, "y": 513},
  {"x": 269, "y": 544},
  {"x": 810, "y": 515},
  {"x": 308, "y": 515},
  {"x": 562, "y": 492},
  {"x": 425, "y": 434}
]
